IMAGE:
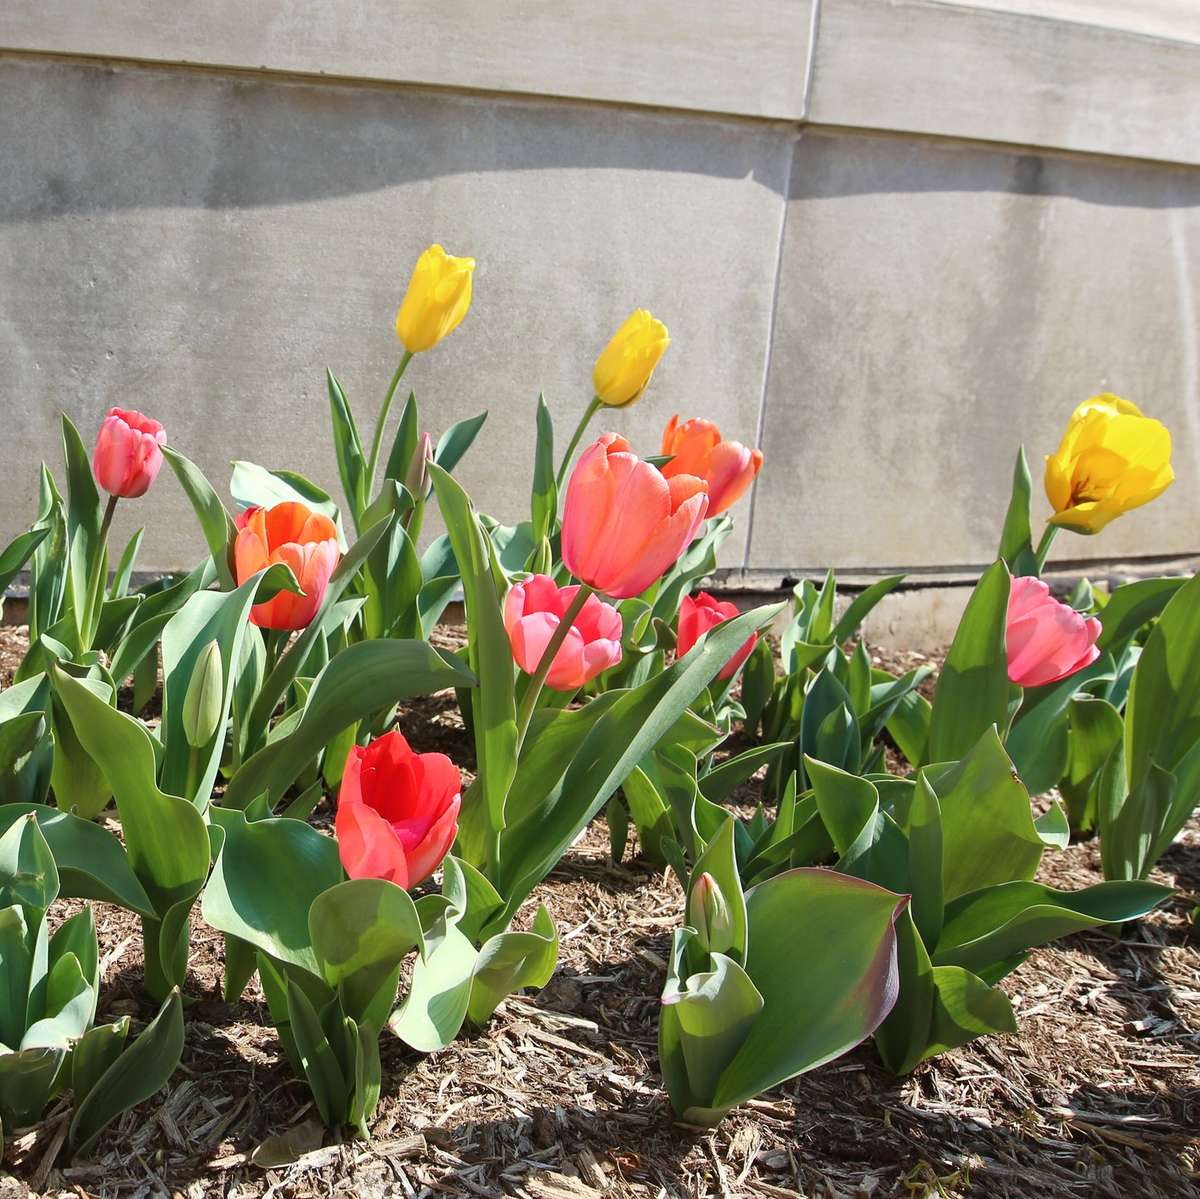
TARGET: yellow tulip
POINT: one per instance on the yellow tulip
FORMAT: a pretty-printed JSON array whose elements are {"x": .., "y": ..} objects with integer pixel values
[
  {"x": 1112, "y": 459},
  {"x": 438, "y": 296},
  {"x": 625, "y": 365}
]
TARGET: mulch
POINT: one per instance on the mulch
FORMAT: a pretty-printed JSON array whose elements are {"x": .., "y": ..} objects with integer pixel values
[{"x": 1098, "y": 1094}]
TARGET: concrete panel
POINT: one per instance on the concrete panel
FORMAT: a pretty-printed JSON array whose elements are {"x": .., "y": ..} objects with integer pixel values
[
  {"x": 966, "y": 71},
  {"x": 655, "y": 52},
  {"x": 939, "y": 305},
  {"x": 203, "y": 246}
]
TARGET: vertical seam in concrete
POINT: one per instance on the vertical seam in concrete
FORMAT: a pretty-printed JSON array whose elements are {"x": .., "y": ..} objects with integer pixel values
[
  {"x": 771, "y": 322},
  {"x": 814, "y": 24}
]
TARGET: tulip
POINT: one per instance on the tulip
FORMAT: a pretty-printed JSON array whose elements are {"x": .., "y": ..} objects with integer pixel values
[
  {"x": 1112, "y": 459},
  {"x": 438, "y": 296},
  {"x": 1047, "y": 641},
  {"x": 626, "y": 364},
  {"x": 624, "y": 523},
  {"x": 417, "y": 479},
  {"x": 291, "y": 533},
  {"x": 696, "y": 448},
  {"x": 397, "y": 812},
  {"x": 708, "y": 913},
  {"x": 697, "y": 616},
  {"x": 535, "y": 608},
  {"x": 128, "y": 453},
  {"x": 203, "y": 702}
]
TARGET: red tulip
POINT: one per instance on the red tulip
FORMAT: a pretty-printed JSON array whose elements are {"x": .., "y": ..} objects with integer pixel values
[
  {"x": 128, "y": 453},
  {"x": 305, "y": 540},
  {"x": 728, "y": 467},
  {"x": 535, "y": 608},
  {"x": 624, "y": 523},
  {"x": 397, "y": 812},
  {"x": 698, "y": 615},
  {"x": 1047, "y": 641}
]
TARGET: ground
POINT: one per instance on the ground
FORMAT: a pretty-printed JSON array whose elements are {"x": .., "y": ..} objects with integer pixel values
[{"x": 1098, "y": 1094}]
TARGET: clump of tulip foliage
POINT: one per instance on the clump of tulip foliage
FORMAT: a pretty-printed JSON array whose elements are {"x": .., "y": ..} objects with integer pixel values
[{"x": 597, "y": 676}]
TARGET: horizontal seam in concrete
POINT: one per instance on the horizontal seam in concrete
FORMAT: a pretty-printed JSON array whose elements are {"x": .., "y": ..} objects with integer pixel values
[{"x": 376, "y": 83}]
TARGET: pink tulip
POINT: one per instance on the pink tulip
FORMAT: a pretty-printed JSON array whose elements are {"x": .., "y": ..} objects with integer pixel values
[
  {"x": 397, "y": 812},
  {"x": 535, "y": 608},
  {"x": 1047, "y": 641},
  {"x": 624, "y": 522},
  {"x": 128, "y": 453},
  {"x": 697, "y": 616}
]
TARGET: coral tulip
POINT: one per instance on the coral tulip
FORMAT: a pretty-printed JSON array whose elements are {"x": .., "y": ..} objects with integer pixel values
[
  {"x": 438, "y": 296},
  {"x": 624, "y": 524},
  {"x": 1112, "y": 459},
  {"x": 696, "y": 448},
  {"x": 304, "y": 540},
  {"x": 623, "y": 370},
  {"x": 534, "y": 608},
  {"x": 697, "y": 616},
  {"x": 397, "y": 812},
  {"x": 1047, "y": 641},
  {"x": 128, "y": 453}
]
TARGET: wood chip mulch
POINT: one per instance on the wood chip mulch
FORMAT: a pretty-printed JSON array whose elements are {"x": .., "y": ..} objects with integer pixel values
[{"x": 559, "y": 1097}]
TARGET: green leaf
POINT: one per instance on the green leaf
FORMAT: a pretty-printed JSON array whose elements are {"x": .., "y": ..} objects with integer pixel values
[
  {"x": 27, "y": 1081},
  {"x": 720, "y": 861},
  {"x": 215, "y": 522},
  {"x": 28, "y": 875},
  {"x": 965, "y": 1007},
  {"x": 544, "y": 500},
  {"x": 17, "y": 553},
  {"x": 861, "y": 607},
  {"x": 438, "y": 996},
  {"x": 909, "y": 724},
  {"x": 456, "y": 441},
  {"x": 359, "y": 682},
  {"x": 990, "y": 925},
  {"x": 124, "y": 572},
  {"x": 266, "y": 877},
  {"x": 1096, "y": 728},
  {"x": 404, "y": 442},
  {"x": 973, "y": 689},
  {"x": 1131, "y": 606},
  {"x": 511, "y": 961},
  {"x": 93, "y": 1054},
  {"x": 758, "y": 681},
  {"x": 846, "y": 802},
  {"x": 1016, "y": 539},
  {"x": 718, "y": 784},
  {"x": 902, "y": 1038},
  {"x": 326, "y": 1078},
  {"x": 925, "y": 861},
  {"x": 347, "y": 445},
  {"x": 135, "y": 1075}
]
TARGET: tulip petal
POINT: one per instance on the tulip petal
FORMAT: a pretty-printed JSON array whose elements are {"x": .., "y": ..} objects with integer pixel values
[{"x": 367, "y": 845}]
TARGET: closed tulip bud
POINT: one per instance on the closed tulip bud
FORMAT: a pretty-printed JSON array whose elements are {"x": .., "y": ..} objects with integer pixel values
[
  {"x": 293, "y": 534},
  {"x": 417, "y": 480},
  {"x": 698, "y": 615},
  {"x": 397, "y": 812},
  {"x": 708, "y": 914},
  {"x": 623, "y": 370},
  {"x": 203, "y": 702},
  {"x": 1046, "y": 640},
  {"x": 625, "y": 524},
  {"x": 1112, "y": 459},
  {"x": 534, "y": 609},
  {"x": 128, "y": 454},
  {"x": 697, "y": 448},
  {"x": 438, "y": 296}
]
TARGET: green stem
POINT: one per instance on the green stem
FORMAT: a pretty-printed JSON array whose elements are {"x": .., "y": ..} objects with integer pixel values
[
  {"x": 99, "y": 576},
  {"x": 584, "y": 421},
  {"x": 377, "y": 441},
  {"x": 538, "y": 678},
  {"x": 1043, "y": 549}
]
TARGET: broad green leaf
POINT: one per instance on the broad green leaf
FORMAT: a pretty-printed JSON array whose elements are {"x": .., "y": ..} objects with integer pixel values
[
  {"x": 861, "y": 607},
  {"x": 28, "y": 875},
  {"x": 27, "y": 1081},
  {"x": 1130, "y": 606},
  {"x": 1016, "y": 539},
  {"x": 215, "y": 522},
  {"x": 456, "y": 441},
  {"x": 925, "y": 861},
  {"x": 436, "y": 1004},
  {"x": 326, "y": 1078},
  {"x": 93, "y": 1054},
  {"x": 17, "y": 553},
  {"x": 1096, "y": 728},
  {"x": 511, "y": 961},
  {"x": 965, "y": 1007},
  {"x": 719, "y": 783},
  {"x": 902, "y": 1038},
  {"x": 845, "y": 801},
  {"x": 973, "y": 688},
  {"x": 909, "y": 724}
]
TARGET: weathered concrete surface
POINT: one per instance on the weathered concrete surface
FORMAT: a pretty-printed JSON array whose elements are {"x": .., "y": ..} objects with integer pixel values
[
  {"x": 939, "y": 305},
  {"x": 203, "y": 246}
]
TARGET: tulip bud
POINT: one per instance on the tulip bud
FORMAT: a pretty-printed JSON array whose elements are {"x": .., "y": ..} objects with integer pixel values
[
  {"x": 623, "y": 370},
  {"x": 417, "y": 480},
  {"x": 128, "y": 453},
  {"x": 438, "y": 296},
  {"x": 708, "y": 914},
  {"x": 202, "y": 704}
]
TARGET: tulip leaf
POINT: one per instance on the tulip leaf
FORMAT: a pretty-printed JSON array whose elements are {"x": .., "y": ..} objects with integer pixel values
[
  {"x": 719, "y": 783},
  {"x": 1096, "y": 728},
  {"x": 720, "y": 861},
  {"x": 840, "y": 959},
  {"x": 135, "y": 1075},
  {"x": 493, "y": 705},
  {"x": 404, "y": 441},
  {"x": 436, "y": 1004},
  {"x": 973, "y": 688},
  {"x": 360, "y": 681},
  {"x": 637, "y": 722},
  {"x": 999, "y": 922},
  {"x": 544, "y": 498},
  {"x": 846, "y": 802},
  {"x": 861, "y": 607},
  {"x": 254, "y": 486},
  {"x": 16, "y": 554},
  {"x": 326, "y": 1078},
  {"x": 926, "y": 861},
  {"x": 27, "y": 1081},
  {"x": 902, "y": 1038},
  {"x": 1131, "y": 606},
  {"x": 91, "y": 862},
  {"x": 267, "y": 876},
  {"x": 456, "y": 441},
  {"x": 93, "y": 1054},
  {"x": 511, "y": 961},
  {"x": 352, "y": 462},
  {"x": 965, "y": 1007},
  {"x": 1016, "y": 539},
  {"x": 215, "y": 522}
]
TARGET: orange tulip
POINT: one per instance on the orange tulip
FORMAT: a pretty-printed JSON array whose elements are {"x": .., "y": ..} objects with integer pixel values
[
  {"x": 624, "y": 523},
  {"x": 304, "y": 540},
  {"x": 728, "y": 467}
]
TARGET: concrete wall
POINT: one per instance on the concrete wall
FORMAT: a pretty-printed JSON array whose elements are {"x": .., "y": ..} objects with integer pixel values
[{"x": 892, "y": 239}]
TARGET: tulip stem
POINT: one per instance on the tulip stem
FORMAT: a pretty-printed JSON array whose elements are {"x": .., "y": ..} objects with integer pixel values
[
  {"x": 377, "y": 441},
  {"x": 99, "y": 577},
  {"x": 538, "y": 678},
  {"x": 584, "y": 421},
  {"x": 1043, "y": 549}
]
